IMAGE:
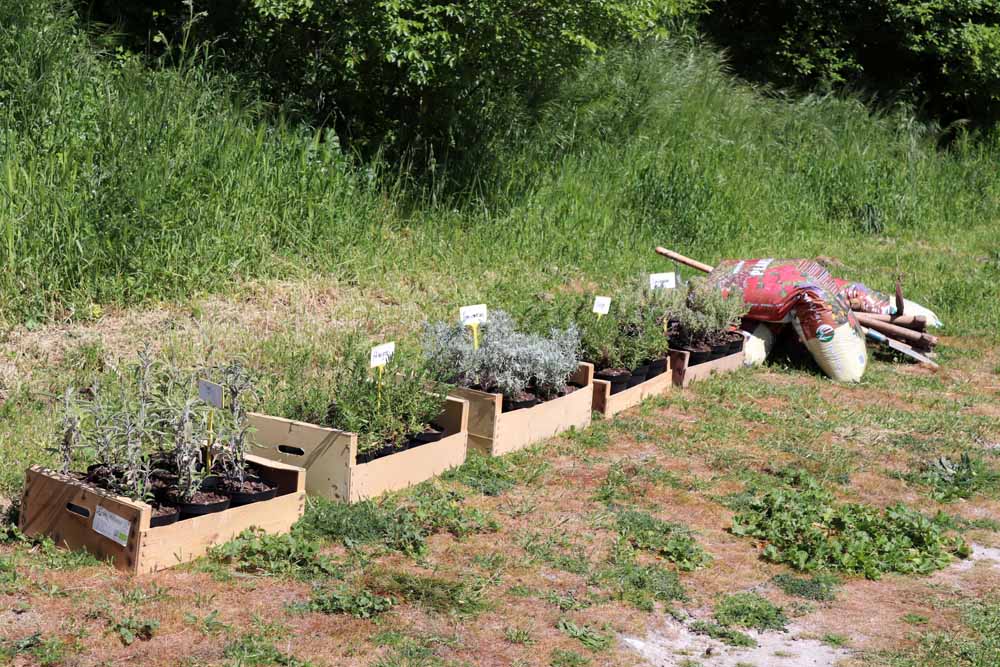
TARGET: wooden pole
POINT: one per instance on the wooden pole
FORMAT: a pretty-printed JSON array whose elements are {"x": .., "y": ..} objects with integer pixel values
[
  {"x": 686, "y": 261},
  {"x": 914, "y": 338},
  {"x": 915, "y": 322}
]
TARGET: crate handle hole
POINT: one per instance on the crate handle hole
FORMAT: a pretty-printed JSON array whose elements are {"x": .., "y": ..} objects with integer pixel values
[
  {"x": 78, "y": 510},
  {"x": 294, "y": 451}
]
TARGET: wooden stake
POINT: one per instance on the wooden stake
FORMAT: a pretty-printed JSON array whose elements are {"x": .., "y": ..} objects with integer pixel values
[
  {"x": 914, "y": 338},
  {"x": 681, "y": 259}
]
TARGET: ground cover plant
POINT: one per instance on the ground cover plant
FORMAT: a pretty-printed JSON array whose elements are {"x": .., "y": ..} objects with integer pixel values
[{"x": 802, "y": 525}]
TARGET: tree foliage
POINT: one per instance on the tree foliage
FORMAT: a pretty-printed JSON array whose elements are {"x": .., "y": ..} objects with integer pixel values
[
  {"x": 423, "y": 73},
  {"x": 942, "y": 55}
]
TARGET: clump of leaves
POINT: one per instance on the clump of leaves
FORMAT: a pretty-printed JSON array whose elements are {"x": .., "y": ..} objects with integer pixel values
[
  {"x": 751, "y": 611},
  {"x": 630, "y": 334},
  {"x": 586, "y": 635},
  {"x": 638, "y": 584},
  {"x": 806, "y": 528},
  {"x": 434, "y": 593},
  {"x": 358, "y": 602},
  {"x": 508, "y": 361},
  {"x": 698, "y": 310},
  {"x": 132, "y": 629},
  {"x": 820, "y": 587},
  {"x": 672, "y": 541},
  {"x": 950, "y": 480},
  {"x": 289, "y": 555}
]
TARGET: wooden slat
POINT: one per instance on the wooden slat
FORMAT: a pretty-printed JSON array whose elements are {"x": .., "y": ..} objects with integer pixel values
[
  {"x": 609, "y": 404},
  {"x": 684, "y": 376},
  {"x": 327, "y": 453}
]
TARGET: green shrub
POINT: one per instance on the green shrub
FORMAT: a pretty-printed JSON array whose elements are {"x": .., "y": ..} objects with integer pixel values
[
  {"x": 416, "y": 74},
  {"x": 806, "y": 528},
  {"x": 630, "y": 334},
  {"x": 943, "y": 55}
]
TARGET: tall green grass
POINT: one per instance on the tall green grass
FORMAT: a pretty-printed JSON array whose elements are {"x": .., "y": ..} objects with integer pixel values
[{"x": 123, "y": 182}]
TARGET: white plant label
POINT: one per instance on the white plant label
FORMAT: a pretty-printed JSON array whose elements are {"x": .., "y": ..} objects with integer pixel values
[
  {"x": 662, "y": 280},
  {"x": 602, "y": 304},
  {"x": 211, "y": 393},
  {"x": 111, "y": 526},
  {"x": 472, "y": 314},
  {"x": 381, "y": 354}
]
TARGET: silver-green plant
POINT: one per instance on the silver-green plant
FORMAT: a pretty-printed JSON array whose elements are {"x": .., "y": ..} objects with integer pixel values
[{"x": 71, "y": 432}]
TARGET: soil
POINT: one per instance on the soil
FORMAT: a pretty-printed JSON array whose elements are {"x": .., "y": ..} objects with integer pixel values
[
  {"x": 201, "y": 498},
  {"x": 613, "y": 372},
  {"x": 249, "y": 485},
  {"x": 523, "y": 396},
  {"x": 102, "y": 476},
  {"x": 163, "y": 510},
  {"x": 567, "y": 390}
]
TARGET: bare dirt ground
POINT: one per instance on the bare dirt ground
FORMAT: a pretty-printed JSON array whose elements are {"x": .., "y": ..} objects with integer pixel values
[{"x": 857, "y": 438}]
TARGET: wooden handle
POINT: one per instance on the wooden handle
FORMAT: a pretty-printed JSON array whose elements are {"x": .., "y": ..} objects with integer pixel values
[
  {"x": 681, "y": 259},
  {"x": 900, "y": 333},
  {"x": 915, "y": 322}
]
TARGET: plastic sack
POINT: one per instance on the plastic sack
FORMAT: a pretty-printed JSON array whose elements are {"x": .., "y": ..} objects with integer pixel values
[{"x": 804, "y": 293}]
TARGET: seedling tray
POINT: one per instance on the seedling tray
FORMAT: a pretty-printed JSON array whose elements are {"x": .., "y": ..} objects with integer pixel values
[
  {"x": 81, "y": 516},
  {"x": 683, "y": 375},
  {"x": 609, "y": 404},
  {"x": 330, "y": 456},
  {"x": 495, "y": 432}
]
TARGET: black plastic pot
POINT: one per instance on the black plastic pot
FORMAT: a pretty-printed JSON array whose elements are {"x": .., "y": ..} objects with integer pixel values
[
  {"x": 619, "y": 378},
  {"x": 165, "y": 519},
  {"x": 719, "y": 351},
  {"x": 639, "y": 375},
  {"x": 698, "y": 356},
  {"x": 189, "y": 510},
  {"x": 377, "y": 453},
  {"x": 510, "y": 406},
  {"x": 736, "y": 344},
  {"x": 657, "y": 367},
  {"x": 428, "y": 436},
  {"x": 237, "y": 498}
]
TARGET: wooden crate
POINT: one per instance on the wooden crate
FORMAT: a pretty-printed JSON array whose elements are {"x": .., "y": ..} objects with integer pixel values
[
  {"x": 495, "y": 432},
  {"x": 683, "y": 376},
  {"x": 609, "y": 404},
  {"x": 65, "y": 509},
  {"x": 330, "y": 456}
]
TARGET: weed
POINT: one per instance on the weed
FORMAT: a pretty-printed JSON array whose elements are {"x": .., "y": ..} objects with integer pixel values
[
  {"x": 563, "y": 658},
  {"x": 518, "y": 636},
  {"x": 360, "y": 603},
  {"x": 723, "y": 634},
  {"x": 820, "y": 587},
  {"x": 807, "y": 529},
  {"x": 208, "y": 624},
  {"x": 915, "y": 619},
  {"x": 669, "y": 540},
  {"x": 751, "y": 611},
  {"x": 586, "y": 635},
  {"x": 488, "y": 475},
  {"x": 434, "y": 593},
  {"x": 132, "y": 629},
  {"x": 638, "y": 584},
  {"x": 289, "y": 555},
  {"x": 976, "y": 645},
  {"x": 256, "y": 650},
  {"x": 951, "y": 480},
  {"x": 48, "y": 652},
  {"x": 565, "y": 601},
  {"x": 835, "y": 640}
]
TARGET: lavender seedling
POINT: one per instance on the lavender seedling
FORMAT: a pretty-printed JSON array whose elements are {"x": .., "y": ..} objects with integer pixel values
[
  {"x": 71, "y": 432},
  {"x": 187, "y": 453}
]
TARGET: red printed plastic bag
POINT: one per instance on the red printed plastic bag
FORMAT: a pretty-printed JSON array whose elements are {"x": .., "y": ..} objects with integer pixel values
[{"x": 804, "y": 293}]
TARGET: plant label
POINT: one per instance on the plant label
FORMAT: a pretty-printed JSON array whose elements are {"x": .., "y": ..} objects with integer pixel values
[
  {"x": 381, "y": 354},
  {"x": 111, "y": 526},
  {"x": 602, "y": 304},
  {"x": 662, "y": 280},
  {"x": 471, "y": 315},
  {"x": 211, "y": 393}
]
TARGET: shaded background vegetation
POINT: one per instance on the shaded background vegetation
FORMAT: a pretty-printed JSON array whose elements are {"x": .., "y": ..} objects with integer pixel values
[{"x": 155, "y": 151}]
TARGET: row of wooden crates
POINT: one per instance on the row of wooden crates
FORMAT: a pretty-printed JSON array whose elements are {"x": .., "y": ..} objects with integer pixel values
[{"x": 302, "y": 458}]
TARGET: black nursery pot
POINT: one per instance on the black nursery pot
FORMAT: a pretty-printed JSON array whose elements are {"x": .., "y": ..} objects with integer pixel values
[
  {"x": 657, "y": 367},
  {"x": 639, "y": 375},
  {"x": 619, "y": 378},
  {"x": 238, "y": 498},
  {"x": 719, "y": 351},
  {"x": 211, "y": 484},
  {"x": 698, "y": 356},
  {"x": 433, "y": 434},
  {"x": 510, "y": 406},
  {"x": 736, "y": 344},
  {"x": 165, "y": 519}
]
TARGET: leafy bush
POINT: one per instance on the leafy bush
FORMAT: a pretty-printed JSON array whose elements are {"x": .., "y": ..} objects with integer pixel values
[
  {"x": 749, "y": 610},
  {"x": 943, "y": 55},
  {"x": 669, "y": 540},
  {"x": 410, "y": 73},
  {"x": 508, "y": 361},
  {"x": 805, "y": 527}
]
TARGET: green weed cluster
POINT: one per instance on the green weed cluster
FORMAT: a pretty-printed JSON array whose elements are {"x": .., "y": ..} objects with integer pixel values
[
  {"x": 806, "y": 528},
  {"x": 671, "y": 541}
]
